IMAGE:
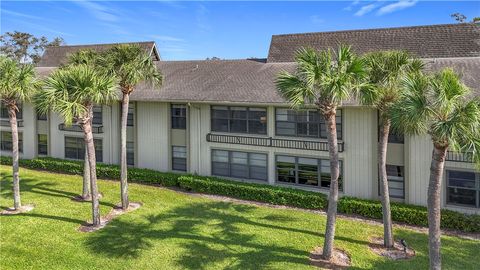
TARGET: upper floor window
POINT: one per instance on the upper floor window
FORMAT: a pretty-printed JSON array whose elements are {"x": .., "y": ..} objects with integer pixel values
[
  {"x": 463, "y": 188},
  {"x": 97, "y": 115},
  {"x": 306, "y": 171},
  {"x": 395, "y": 137},
  {"x": 304, "y": 123},
  {"x": 179, "y": 116},
  {"x": 4, "y": 111},
  {"x": 239, "y": 119},
  {"x": 6, "y": 141}
]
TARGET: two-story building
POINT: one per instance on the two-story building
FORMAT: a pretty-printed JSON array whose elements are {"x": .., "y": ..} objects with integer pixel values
[{"x": 226, "y": 118}]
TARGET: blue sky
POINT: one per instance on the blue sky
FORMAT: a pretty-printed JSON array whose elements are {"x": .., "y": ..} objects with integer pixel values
[{"x": 232, "y": 30}]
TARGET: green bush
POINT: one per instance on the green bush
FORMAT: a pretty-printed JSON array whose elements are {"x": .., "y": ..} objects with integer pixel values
[{"x": 409, "y": 214}]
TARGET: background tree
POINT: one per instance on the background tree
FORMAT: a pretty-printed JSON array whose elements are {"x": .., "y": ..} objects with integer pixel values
[
  {"x": 459, "y": 17},
  {"x": 324, "y": 79},
  {"x": 131, "y": 65},
  {"x": 86, "y": 57},
  {"x": 17, "y": 85},
  {"x": 25, "y": 47},
  {"x": 440, "y": 106},
  {"x": 385, "y": 73},
  {"x": 71, "y": 92}
]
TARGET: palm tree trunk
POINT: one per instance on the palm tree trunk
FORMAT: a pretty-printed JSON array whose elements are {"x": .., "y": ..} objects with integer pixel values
[
  {"x": 12, "y": 113},
  {"x": 385, "y": 196},
  {"x": 123, "y": 152},
  {"x": 433, "y": 204},
  {"x": 86, "y": 178},
  {"x": 333, "y": 196},
  {"x": 88, "y": 137}
]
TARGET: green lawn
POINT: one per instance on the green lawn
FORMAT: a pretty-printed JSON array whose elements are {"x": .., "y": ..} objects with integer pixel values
[{"x": 178, "y": 231}]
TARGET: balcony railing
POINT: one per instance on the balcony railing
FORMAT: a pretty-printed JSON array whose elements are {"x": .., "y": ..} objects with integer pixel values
[
  {"x": 271, "y": 142},
  {"x": 6, "y": 122},
  {"x": 77, "y": 128},
  {"x": 459, "y": 157}
]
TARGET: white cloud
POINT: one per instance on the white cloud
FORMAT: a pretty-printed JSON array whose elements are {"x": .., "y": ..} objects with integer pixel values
[
  {"x": 402, "y": 4},
  {"x": 201, "y": 15},
  {"x": 101, "y": 12},
  {"x": 365, "y": 9},
  {"x": 316, "y": 19},
  {"x": 166, "y": 38},
  {"x": 352, "y": 4}
]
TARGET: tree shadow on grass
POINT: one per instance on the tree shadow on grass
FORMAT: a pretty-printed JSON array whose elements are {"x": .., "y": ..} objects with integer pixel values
[
  {"x": 208, "y": 233},
  {"x": 39, "y": 187}
]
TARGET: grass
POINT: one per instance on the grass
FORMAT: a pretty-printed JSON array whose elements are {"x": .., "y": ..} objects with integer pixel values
[{"x": 178, "y": 231}]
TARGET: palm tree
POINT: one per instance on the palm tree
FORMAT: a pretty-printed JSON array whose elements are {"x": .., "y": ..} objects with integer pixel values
[
  {"x": 440, "y": 107},
  {"x": 17, "y": 85},
  {"x": 385, "y": 72},
  {"x": 131, "y": 65},
  {"x": 71, "y": 92},
  {"x": 87, "y": 57},
  {"x": 324, "y": 79}
]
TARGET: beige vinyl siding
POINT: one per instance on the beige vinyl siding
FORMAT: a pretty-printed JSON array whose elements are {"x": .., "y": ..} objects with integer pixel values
[{"x": 153, "y": 135}]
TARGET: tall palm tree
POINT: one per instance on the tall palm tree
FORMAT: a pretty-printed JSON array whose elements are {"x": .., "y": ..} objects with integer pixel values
[
  {"x": 441, "y": 107},
  {"x": 87, "y": 57},
  {"x": 131, "y": 65},
  {"x": 71, "y": 92},
  {"x": 385, "y": 72},
  {"x": 17, "y": 85},
  {"x": 324, "y": 79}
]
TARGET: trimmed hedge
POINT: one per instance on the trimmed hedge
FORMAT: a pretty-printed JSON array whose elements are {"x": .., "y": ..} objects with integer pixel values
[{"x": 409, "y": 214}]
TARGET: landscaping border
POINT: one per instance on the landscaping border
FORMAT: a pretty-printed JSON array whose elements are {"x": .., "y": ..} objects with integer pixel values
[{"x": 405, "y": 213}]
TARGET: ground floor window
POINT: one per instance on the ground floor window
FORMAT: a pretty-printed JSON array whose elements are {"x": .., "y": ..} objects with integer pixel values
[
  {"x": 42, "y": 146},
  {"x": 75, "y": 148},
  {"x": 239, "y": 164},
  {"x": 6, "y": 141},
  {"x": 179, "y": 158},
  {"x": 130, "y": 153},
  {"x": 396, "y": 181},
  {"x": 463, "y": 188},
  {"x": 306, "y": 171}
]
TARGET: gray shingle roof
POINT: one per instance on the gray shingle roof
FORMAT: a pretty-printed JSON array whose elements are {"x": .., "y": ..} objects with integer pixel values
[
  {"x": 431, "y": 41},
  {"x": 55, "y": 56}
]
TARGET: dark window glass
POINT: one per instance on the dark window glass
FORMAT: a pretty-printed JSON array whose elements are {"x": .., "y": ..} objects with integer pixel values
[
  {"x": 131, "y": 111},
  {"x": 130, "y": 153},
  {"x": 306, "y": 171},
  {"x": 394, "y": 137},
  {"x": 97, "y": 115},
  {"x": 179, "y": 116},
  {"x": 4, "y": 111},
  {"x": 239, "y": 119},
  {"x": 179, "y": 158},
  {"x": 463, "y": 188},
  {"x": 396, "y": 181},
  {"x": 239, "y": 164},
  {"x": 304, "y": 123},
  {"x": 75, "y": 148},
  {"x": 41, "y": 116},
  {"x": 6, "y": 141},
  {"x": 42, "y": 144}
]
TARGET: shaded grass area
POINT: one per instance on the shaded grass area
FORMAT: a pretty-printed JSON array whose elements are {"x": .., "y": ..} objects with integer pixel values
[{"x": 177, "y": 231}]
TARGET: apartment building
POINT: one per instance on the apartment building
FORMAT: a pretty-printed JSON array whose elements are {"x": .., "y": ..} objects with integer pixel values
[{"x": 226, "y": 118}]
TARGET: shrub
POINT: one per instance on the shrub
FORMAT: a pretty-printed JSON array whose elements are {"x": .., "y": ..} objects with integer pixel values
[{"x": 409, "y": 214}]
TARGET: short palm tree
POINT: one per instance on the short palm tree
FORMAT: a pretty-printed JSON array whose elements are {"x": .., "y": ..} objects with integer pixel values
[
  {"x": 87, "y": 57},
  {"x": 17, "y": 85},
  {"x": 131, "y": 65},
  {"x": 324, "y": 79},
  {"x": 386, "y": 69},
  {"x": 71, "y": 92},
  {"x": 440, "y": 106}
]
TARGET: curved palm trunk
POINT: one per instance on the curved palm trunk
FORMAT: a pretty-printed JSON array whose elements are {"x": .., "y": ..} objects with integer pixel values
[
  {"x": 88, "y": 137},
  {"x": 385, "y": 196},
  {"x": 123, "y": 152},
  {"x": 333, "y": 196},
  {"x": 433, "y": 205},
  {"x": 12, "y": 113},
  {"x": 86, "y": 177}
]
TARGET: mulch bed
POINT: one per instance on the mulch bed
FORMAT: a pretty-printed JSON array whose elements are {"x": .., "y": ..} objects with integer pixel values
[
  {"x": 115, "y": 212},
  {"x": 395, "y": 253},
  {"x": 340, "y": 259},
  {"x": 22, "y": 209}
]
